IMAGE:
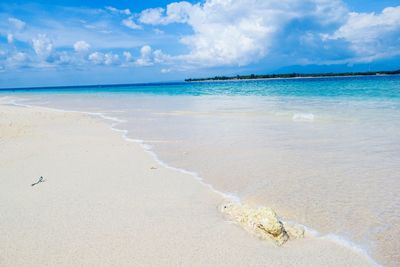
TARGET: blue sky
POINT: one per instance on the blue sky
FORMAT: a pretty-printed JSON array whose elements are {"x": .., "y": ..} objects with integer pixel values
[{"x": 45, "y": 43}]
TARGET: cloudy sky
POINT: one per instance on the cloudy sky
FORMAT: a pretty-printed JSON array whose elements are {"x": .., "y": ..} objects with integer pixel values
[{"x": 126, "y": 41}]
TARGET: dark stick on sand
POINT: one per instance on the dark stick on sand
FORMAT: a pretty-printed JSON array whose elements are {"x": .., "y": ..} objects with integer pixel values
[{"x": 41, "y": 180}]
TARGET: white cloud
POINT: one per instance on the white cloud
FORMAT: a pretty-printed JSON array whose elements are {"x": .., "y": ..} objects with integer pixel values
[
  {"x": 42, "y": 45},
  {"x": 330, "y": 11},
  {"x": 103, "y": 58},
  {"x": 128, "y": 22},
  {"x": 96, "y": 57},
  {"x": 19, "y": 57},
  {"x": 110, "y": 58},
  {"x": 119, "y": 11},
  {"x": 10, "y": 38},
  {"x": 370, "y": 33},
  {"x": 104, "y": 32},
  {"x": 152, "y": 16},
  {"x": 128, "y": 56},
  {"x": 15, "y": 59},
  {"x": 178, "y": 12},
  {"x": 158, "y": 31},
  {"x": 131, "y": 24},
  {"x": 146, "y": 56},
  {"x": 149, "y": 57},
  {"x": 227, "y": 32},
  {"x": 65, "y": 58},
  {"x": 17, "y": 23},
  {"x": 164, "y": 70},
  {"x": 81, "y": 46},
  {"x": 160, "y": 57}
]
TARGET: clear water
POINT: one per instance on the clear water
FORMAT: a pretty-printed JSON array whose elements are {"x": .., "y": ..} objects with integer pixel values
[{"x": 321, "y": 152}]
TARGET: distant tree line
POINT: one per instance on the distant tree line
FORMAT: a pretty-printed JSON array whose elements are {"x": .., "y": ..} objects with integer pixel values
[{"x": 293, "y": 75}]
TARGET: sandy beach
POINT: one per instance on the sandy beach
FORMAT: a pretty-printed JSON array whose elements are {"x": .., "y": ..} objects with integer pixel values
[{"x": 106, "y": 202}]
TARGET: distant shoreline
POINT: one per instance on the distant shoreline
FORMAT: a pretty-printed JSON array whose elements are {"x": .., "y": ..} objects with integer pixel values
[
  {"x": 293, "y": 76},
  {"x": 214, "y": 79}
]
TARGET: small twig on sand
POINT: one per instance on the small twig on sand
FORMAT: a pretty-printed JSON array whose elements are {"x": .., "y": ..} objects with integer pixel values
[{"x": 41, "y": 180}]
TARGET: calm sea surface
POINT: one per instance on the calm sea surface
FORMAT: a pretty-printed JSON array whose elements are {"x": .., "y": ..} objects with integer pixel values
[{"x": 322, "y": 152}]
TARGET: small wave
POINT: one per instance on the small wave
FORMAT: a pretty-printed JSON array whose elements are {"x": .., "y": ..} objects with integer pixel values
[
  {"x": 147, "y": 148},
  {"x": 303, "y": 117},
  {"x": 106, "y": 117}
]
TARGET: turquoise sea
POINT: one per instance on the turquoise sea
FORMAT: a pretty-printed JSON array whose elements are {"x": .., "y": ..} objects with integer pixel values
[{"x": 323, "y": 152}]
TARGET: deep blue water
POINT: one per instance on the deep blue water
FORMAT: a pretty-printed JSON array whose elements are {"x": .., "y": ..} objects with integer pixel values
[{"x": 357, "y": 87}]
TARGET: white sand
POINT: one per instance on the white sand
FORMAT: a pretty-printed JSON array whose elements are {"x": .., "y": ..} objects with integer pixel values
[{"x": 102, "y": 204}]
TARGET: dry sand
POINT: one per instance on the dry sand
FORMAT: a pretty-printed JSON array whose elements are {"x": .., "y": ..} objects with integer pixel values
[{"x": 103, "y": 204}]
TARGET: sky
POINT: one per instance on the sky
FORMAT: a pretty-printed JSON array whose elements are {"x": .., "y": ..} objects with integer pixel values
[{"x": 71, "y": 42}]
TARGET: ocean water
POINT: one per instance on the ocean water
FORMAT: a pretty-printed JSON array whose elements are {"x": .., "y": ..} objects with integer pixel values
[{"x": 322, "y": 152}]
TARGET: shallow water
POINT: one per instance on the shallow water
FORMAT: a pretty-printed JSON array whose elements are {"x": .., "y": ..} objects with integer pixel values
[{"x": 322, "y": 152}]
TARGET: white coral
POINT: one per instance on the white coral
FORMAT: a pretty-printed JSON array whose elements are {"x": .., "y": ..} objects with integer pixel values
[{"x": 262, "y": 222}]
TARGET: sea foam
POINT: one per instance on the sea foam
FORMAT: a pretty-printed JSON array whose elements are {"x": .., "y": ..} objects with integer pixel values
[{"x": 303, "y": 117}]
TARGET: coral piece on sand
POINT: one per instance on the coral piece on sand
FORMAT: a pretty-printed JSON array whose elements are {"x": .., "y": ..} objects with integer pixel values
[{"x": 262, "y": 222}]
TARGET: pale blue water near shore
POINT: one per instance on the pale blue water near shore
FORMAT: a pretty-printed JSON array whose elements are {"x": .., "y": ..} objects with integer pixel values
[{"x": 322, "y": 152}]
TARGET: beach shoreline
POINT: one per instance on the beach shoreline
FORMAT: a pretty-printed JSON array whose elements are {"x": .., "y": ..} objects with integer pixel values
[{"x": 105, "y": 201}]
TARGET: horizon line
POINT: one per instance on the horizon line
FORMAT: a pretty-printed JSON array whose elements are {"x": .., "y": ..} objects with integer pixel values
[{"x": 209, "y": 79}]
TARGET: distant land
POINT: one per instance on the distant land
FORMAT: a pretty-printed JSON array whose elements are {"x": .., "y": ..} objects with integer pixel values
[{"x": 293, "y": 75}]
